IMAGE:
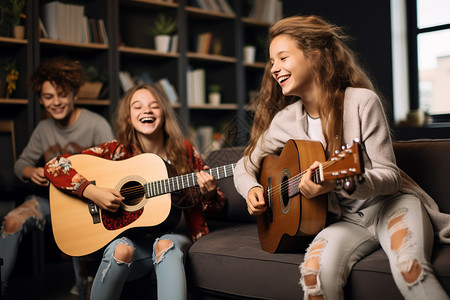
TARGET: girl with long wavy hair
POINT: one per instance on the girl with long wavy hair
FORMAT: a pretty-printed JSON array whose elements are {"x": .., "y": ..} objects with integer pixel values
[
  {"x": 145, "y": 123},
  {"x": 314, "y": 89}
]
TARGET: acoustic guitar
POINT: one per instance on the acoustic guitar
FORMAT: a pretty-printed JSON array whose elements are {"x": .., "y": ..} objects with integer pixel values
[
  {"x": 290, "y": 217},
  {"x": 80, "y": 227}
]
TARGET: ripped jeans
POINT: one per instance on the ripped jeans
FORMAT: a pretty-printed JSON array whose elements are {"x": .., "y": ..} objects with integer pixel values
[
  {"x": 34, "y": 213},
  {"x": 168, "y": 264},
  {"x": 399, "y": 224}
]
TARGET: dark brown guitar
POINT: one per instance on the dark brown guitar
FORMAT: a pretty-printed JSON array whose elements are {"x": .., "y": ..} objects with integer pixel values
[{"x": 289, "y": 215}]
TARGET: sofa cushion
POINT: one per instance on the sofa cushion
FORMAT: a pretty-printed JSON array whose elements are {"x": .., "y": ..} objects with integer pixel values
[
  {"x": 230, "y": 260},
  {"x": 423, "y": 161}
]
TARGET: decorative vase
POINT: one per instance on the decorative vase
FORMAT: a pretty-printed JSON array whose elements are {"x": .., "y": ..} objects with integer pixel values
[
  {"x": 19, "y": 31},
  {"x": 162, "y": 43},
  {"x": 214, "y": 98},
  {"x": 249, "y": 54}
]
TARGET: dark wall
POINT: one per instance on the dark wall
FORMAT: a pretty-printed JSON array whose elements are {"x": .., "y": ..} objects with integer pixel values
[{"x": 368, "y": 23}]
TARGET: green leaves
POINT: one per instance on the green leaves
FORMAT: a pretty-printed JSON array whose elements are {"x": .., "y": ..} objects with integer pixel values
[{"x": 162, "y": 25}]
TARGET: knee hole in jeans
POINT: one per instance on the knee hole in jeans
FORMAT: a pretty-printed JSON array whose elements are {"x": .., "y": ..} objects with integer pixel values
[
  {"x": 310, "y": 270},
  {"x": 123, "y": 253},
  {"x": 161, "y": 247},
  {"x": 16, "y": 217},
  {"x": 400, "y": 239}
]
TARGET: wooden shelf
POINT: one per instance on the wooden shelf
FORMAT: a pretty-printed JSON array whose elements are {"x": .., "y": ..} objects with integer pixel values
[
  {"x": 224, "y": 106},
  {"x": 145, "y": 51},
  {"x": 149, "y": 3},
  {"x": 254, "y": 22},
  {"x": 257, "y": 65},
  {"x": 208, "y": 14},
  {"x": 96, "y": 102},
  {"x": 9, "y": 40},
  {"x": 211, "y": 57},
  {"x": 58, "y": 43},
  {"x": 13, "y": 101}
]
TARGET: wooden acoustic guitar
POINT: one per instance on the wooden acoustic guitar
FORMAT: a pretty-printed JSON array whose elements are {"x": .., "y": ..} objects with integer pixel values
[
  {"x": 289, "y": 216},
  {"x": 80, "y": 227}
]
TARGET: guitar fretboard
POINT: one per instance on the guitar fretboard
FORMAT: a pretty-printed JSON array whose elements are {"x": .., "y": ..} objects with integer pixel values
[{"x": 181, "y": 182}]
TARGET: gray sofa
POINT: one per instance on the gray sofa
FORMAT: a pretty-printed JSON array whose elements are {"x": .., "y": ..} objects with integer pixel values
[{"x": 229, "y": 263}]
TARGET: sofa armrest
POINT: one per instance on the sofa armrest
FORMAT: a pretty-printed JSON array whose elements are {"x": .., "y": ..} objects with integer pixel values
[{"x": 427, "y": 161}]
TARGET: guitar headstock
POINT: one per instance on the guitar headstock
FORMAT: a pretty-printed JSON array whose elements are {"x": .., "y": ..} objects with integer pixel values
[{"x": 345, "y": 164}]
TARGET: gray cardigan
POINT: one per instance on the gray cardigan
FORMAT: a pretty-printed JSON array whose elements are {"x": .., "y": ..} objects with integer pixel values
[{"x": 365, "y": 120}]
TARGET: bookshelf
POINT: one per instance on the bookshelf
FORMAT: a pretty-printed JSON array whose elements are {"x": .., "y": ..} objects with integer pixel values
[{"x": 133, "y": 51}]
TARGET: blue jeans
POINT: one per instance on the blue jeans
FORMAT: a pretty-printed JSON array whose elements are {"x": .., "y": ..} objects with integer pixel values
[
  {"x": 169, "y": 268},
  {"x": 37, "y": 214},
  {"x": 339, "y": 246}
]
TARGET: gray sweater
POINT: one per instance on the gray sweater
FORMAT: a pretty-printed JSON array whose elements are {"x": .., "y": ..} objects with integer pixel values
[
  {"x": 365, "y": 120},
  {"x": 48, "y": 140}
]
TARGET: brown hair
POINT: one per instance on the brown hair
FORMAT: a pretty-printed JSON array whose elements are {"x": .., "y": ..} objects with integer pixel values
[
  {"x": 173, "y": 137},
  {"x": 334, "y": 69},
  {"x": 66, "y": 75}
]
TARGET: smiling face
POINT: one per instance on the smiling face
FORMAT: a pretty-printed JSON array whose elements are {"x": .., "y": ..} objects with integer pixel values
[
  {"x": 290, "y": 67},
  {"x": 145, "y": 112},
  {"x": 59, "y": 104}
]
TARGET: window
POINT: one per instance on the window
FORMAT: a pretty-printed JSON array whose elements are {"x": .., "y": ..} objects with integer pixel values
[{"x": 428, "y": 25}]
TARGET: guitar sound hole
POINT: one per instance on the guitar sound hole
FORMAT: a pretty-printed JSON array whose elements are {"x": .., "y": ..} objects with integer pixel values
[
  {"x": 133, "y": 192},
  {"x": 285, "y": 191}
]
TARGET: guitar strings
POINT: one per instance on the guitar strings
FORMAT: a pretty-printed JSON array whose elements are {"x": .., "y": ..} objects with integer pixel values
[
  {"x": 165, "y": 184},
  {"x": 295, "y": 180}
]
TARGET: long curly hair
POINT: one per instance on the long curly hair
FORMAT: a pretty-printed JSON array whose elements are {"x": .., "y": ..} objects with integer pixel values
[
  {"x": 64, "y": 74},
  {"x": 334, "y": 69},
  {"x": 174, "y": 139}
]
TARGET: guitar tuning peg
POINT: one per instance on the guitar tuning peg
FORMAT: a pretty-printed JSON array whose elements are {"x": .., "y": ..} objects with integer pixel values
[
  {"x": 336, "y": 151},
  {"x": 349, "y": 185},
  {"x": 347, "y": 146},
  {"x": 343, "y": 147}
]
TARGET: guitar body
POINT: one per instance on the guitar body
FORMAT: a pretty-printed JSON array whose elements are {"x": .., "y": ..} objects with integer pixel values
[
  {"x": 79, "y": 231},
  {"x": 288, "y": 219}
]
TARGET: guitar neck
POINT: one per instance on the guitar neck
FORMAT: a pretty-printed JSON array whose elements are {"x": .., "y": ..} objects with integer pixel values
[{"x": 185, "y": 181}]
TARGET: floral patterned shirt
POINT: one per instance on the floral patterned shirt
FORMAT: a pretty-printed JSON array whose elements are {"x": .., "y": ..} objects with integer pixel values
[{"x": 60, "y": 172}]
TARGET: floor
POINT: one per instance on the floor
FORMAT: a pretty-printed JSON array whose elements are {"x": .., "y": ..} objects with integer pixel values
[{"x": 55, "y": 284}]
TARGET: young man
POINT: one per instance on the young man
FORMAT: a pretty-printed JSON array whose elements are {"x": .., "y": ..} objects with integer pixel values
[{"x": 68, "y": 129}]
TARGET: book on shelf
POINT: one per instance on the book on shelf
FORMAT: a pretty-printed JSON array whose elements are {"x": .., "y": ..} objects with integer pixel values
[
  {"x": 42, "y": 30},
  {"x": 168, "y": 89},
  {"x": 196, "y": 91},
  {"x": 268, "y": 11},
  {"x": 209, "y": 43},
  {"x": 126, "y": 81},
  {"x": 173, "y": 47},
  {"x": 214, "y": 5},
  {"x": 67, "y": 22}
]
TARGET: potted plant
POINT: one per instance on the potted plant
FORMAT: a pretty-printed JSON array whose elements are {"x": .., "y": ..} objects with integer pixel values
[
  {"x": 162, "y": 29},
  {"x": 94, "y": 83},
  {"x": 12, "y": 75},
  {"x": 12, "y": 11},
  {"x": 214, "y": 95}
]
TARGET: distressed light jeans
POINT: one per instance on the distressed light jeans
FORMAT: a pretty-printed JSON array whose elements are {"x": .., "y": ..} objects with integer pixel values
[
  {"x": 169, "y": 267},
  {"x": 34, "y": 213},
  {"x": 400, "y": 225}
]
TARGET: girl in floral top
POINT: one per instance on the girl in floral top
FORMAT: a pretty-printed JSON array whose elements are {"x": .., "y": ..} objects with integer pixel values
[{"x": 145, "y": 123}]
